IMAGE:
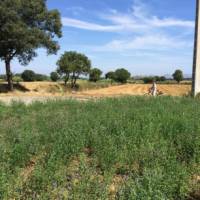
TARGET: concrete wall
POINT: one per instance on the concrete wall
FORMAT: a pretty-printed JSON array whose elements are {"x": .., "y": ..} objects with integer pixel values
[{"x": 196, "y": 62}]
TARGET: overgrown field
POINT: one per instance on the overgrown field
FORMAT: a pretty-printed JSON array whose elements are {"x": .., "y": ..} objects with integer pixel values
[{"x": 135, "y": 148}]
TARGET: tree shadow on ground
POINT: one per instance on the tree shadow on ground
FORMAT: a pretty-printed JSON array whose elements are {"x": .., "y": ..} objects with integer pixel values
[{"x": 17, "y": 86}]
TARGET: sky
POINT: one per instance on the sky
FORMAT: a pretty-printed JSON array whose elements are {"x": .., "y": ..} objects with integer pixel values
[{"x": 147, "y": 37}]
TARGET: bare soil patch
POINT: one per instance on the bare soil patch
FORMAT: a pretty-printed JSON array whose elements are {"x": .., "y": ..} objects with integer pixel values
[
  {"x": 28, "y": 92},
  {"x": 139, "y": 89}
]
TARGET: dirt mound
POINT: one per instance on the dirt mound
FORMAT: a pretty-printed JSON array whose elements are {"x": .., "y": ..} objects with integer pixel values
[
  {"x": 139, "y": 89},
  {"x": 43, "y": 87},
  {"x": 28, "y": 92},
  {"x": 51, "y": 88}
]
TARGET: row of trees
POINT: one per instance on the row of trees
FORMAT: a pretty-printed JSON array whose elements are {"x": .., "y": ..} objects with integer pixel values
[
  {"x": 177, "y": 76},
  {"x": 72, "y": 65},
  {"x": 120, "y": 75},
  {"x": 95, "y": 74}
]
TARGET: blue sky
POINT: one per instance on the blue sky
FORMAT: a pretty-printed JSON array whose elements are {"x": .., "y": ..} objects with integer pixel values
[{"x": 145, "y": 36}]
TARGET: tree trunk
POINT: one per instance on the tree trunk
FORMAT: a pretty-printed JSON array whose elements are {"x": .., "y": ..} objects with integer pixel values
[
  {"x": 9, "y": 75},
  {"x": 66, "y": 79},
  {"x": 73, "y": 80}
]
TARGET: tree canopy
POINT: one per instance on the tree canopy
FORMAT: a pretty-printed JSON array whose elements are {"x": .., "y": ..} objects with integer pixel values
[
  {"x": 54, "y": 76},
  {"x": 110, "y": 75},
  {"x": 28, "y": 75},
  {"x": 26, "y": 25},
  {"x": 73, "y": 64},
  {"x": 178, "y": 75},
  {"x": 95, "y": 74},
  {"x": 122, "y": 75}
]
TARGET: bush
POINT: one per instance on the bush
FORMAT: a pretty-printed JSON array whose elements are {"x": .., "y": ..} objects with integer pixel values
[
  {"x": 54, "y": 76},
  {"x": 122, "y": 75},
  {"x": 28, "y": 75}
]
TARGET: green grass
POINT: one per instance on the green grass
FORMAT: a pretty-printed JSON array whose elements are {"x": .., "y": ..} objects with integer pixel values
[{"x": 77, "y": 150}]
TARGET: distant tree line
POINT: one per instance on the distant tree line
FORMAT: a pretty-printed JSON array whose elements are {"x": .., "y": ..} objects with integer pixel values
[
  {"x": 150, "y": 79},
  {"x": 73, "y": 65},
  {"x": 63, "y": 73},
  {"x": 177, "y": 76},
  {"x": 27, "y": 76}
]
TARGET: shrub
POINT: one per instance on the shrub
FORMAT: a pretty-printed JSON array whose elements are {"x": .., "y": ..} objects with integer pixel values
[
  {"x": 28, "y": 75},
  {"x": 54, "y": 76}
]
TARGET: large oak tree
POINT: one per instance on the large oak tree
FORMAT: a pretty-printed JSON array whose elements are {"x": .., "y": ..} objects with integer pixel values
[
  {"x": 26, "y": 25},
  {"x": 73, "y": 64}
]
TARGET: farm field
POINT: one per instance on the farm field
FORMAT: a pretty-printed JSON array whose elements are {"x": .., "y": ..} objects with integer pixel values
[
  {"x": 115, "y": 148},
  {"x": 41, "y": 91}
]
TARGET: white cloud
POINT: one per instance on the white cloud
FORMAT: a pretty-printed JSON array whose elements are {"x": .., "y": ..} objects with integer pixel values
[
  {"x": 145, "y": 42},
  {"x": 139, "y": 18},
  {"x": 166, "y": 22},
  {"x": 89, "y": 26},
  {"x": 145, "y": 31},
  {"x": 121, "y": 23}
]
